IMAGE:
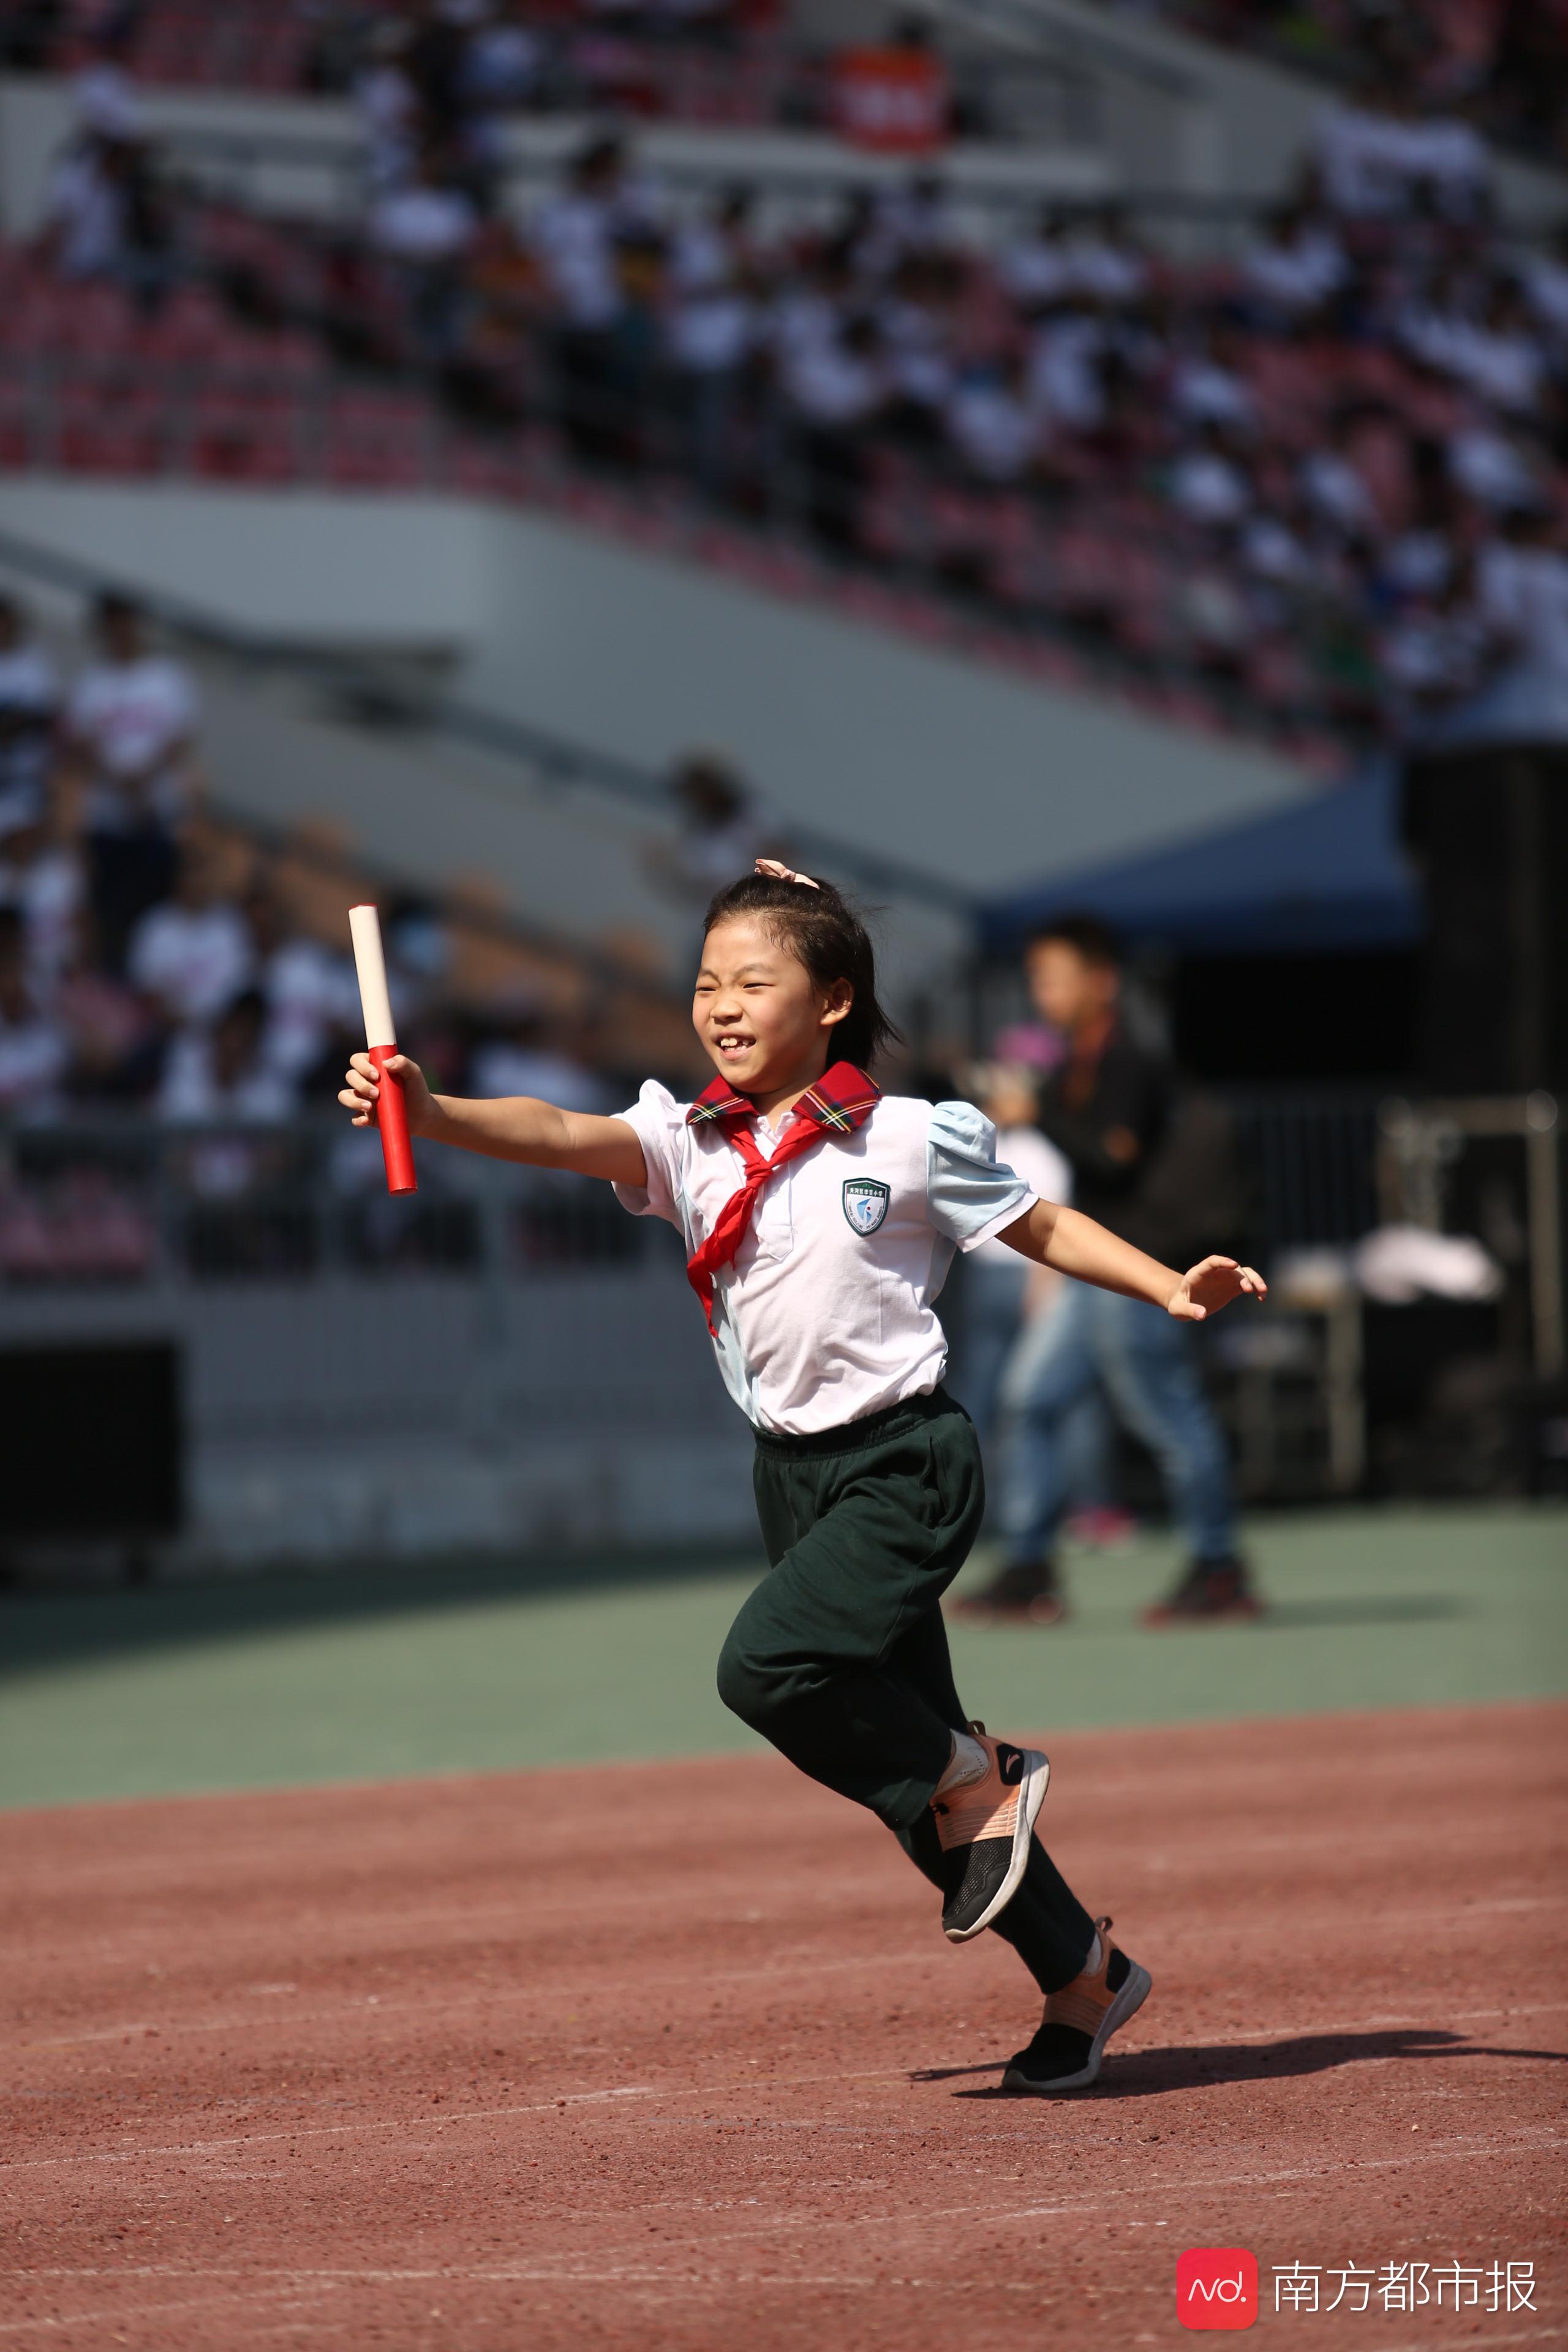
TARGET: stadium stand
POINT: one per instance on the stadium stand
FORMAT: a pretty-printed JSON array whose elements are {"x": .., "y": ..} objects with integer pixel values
[
  {"x": 716, "y": 61},
  {"x": 1311, "y": 489},
  {"x": 138, "y": 915}
]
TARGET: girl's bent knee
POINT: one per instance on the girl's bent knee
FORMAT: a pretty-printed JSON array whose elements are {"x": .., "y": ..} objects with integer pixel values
[{"x": 742, "y": 1686}]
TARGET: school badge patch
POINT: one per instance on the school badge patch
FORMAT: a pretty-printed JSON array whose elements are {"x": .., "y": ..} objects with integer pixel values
[{"x": 865, "y": 1202}]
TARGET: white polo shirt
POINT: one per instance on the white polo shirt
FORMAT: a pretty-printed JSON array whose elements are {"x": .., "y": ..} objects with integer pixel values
[{"x": 826, "y": 1312}]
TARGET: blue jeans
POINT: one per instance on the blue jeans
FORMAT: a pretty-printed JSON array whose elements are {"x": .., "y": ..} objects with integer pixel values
[
  {"x": 1144, "y": 1360},
  {"x": 993, "y": 1337}
]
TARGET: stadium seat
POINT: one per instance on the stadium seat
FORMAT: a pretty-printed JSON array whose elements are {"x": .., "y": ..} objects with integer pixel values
[
  {"x": 386, "y": 440},
  {"x": 245, "y": 435}
]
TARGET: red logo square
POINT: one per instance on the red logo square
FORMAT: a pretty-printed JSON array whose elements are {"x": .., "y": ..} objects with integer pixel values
[{"x": 1216, "y": 2286}]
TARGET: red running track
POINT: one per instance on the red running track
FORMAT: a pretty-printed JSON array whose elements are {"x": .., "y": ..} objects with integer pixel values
[{"x": 674, "y": 2055}]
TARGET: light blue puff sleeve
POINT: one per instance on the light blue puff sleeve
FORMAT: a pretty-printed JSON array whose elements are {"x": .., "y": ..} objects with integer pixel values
[{"x": 970, "y": 1197}]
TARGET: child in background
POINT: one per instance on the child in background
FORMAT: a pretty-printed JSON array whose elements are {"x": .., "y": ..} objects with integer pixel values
[{"x": 820, "y": 1217}]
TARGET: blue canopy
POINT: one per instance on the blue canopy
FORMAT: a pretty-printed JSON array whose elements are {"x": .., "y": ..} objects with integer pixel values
[{"x": 1325, "y": 874}]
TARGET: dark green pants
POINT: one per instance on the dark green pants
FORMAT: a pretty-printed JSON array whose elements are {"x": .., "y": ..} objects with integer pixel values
[{"x": 839, "y": 1657}]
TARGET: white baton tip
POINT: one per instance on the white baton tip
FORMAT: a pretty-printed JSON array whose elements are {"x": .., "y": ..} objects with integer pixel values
[{"x": 364, "y": 929}]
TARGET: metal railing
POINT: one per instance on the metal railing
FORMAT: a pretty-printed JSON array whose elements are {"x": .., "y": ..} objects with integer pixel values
[
  {"x": 132, "y": 1203},
  {"x": 1421, "y": 1147},
  {"x": 85, "y": 1199},
  {"x": 1311, "y": 1160}
]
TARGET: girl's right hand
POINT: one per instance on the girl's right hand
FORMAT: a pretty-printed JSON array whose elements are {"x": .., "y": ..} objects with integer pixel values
[{"x": 361, "y": 1086}]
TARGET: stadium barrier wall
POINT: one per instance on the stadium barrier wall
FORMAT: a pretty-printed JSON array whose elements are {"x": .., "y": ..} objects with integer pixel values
[{"x": 508, "y": 1361}]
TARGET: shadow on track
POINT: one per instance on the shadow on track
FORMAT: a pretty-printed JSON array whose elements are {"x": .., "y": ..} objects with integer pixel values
[
  {"x": 1420, "y": 1608},
  {"x": 1144, "y": 2074}
]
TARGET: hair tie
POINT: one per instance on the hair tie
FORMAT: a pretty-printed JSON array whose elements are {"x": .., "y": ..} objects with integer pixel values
[{"x": 777, "y": 873}]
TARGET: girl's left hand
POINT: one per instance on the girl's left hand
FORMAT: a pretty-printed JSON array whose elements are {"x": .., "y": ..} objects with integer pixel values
[{"x": 1213, "y": 1285}]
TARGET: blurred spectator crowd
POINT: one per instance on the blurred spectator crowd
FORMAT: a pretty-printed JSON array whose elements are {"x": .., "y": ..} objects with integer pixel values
[
  {"x": 153, "y": 960},
  {"x": 1316, "y": 487},
  {"x": 469, "y": 61},
  {"x": 1497, "y": 62}
]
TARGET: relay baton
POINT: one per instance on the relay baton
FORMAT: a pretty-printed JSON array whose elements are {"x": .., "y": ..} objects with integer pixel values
[{"x": 391, "y": 1112}]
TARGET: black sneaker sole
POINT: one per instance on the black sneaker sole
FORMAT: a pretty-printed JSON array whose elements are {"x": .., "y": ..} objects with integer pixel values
[
  {"x": 1032, "y": 1796},
  {"x": 1140, "y": 1984}
]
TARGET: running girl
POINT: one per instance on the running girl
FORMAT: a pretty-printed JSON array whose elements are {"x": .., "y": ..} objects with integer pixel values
[{"x": 819, "y": 1217}]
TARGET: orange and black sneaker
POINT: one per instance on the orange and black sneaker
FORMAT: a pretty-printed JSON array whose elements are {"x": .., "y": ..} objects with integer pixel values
[
  {"x": 984, "y": 1829},
  {"x": 1080, "y": 2020}
]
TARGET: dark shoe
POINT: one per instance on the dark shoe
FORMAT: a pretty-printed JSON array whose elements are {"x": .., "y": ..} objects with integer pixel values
[
  {"x": 1024, "y": 1593},
  {"x": 985, "y": 1829},
  {"x": 1213, "y": 1592},
  {"x": 1080, "y": 2020}
]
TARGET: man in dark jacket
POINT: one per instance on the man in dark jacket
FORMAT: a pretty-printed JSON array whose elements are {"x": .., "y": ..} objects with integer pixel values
[{"x": 1113, "y": 1108}]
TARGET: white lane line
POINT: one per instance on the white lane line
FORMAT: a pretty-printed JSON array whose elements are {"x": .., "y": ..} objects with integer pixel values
[
  {"x": 128, "y": 2312},
  {"x": 468, "y": 2116},
  {"x": 500, "y": 1996},
  {"x": 752, "y": 2083},
  {"x": 364, "y": 2004},
  {"x": 1194, "y": 2185},
  {"x": 459, "y": 2273},
  {"x": 799, "y": 1900}
]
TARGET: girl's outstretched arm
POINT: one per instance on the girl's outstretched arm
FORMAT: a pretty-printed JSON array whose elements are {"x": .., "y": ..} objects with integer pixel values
[
  {"x": 1075, "y": 1245},
  {"x": 511, "y": 1127}
]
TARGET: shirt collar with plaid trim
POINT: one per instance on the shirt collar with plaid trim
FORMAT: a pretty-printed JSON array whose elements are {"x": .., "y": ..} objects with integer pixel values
[{"x": 840, "y": 1099}]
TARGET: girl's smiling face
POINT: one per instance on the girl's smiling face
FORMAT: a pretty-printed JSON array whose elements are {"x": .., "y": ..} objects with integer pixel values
[{"x": 761, "y": 1016}]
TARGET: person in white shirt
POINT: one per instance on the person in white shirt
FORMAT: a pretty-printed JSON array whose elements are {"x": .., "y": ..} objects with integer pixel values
[
  {"x": 130, "y": 726},
  {"x": 212, "y": 1075},
  {"x": 712, "y": 325},
  {"x": 993, "y": 426},
  {"x": 1104, "y": 263},
  {"x": 1334, "y": 488},
  {"x": 29, "y": 713},
  {"x": 310, "y": 993},
  {"x": 1209, "y": 485},
  {"x": 1036, "y": 269},
  {"x": 35, "y": 1051},
  {"x": 425, "y": 230},
  {"x": 387, "y": 105},
  {"x": 1523, "y": 579},
  {"x": 192, "y": 955},
  {"x": 1207, "y": 386},
  {"x": 1065, "y": 370},
  {"x": 523, "y": 1060},
  {"x": 819, "y": 1217},
  {"x": 837, "y": 389},
  {"x": 724, "y": 825},
  {"x": 1295, "y": 268},
  {"x": 84, "y": 225},
  {"x": 41, "y": 877},
  {"x": 1375, "y": 162}
]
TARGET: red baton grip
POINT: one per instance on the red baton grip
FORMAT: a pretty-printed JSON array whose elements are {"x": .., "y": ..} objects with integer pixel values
[{"x": 392, "y": 1117}]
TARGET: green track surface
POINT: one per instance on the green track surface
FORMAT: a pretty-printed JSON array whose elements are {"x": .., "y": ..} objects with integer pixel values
[{"x": 289, "y": 1680}]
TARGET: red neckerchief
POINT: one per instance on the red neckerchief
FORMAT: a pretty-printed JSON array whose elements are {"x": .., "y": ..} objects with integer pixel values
[{"x": 841, "y": 1098}]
